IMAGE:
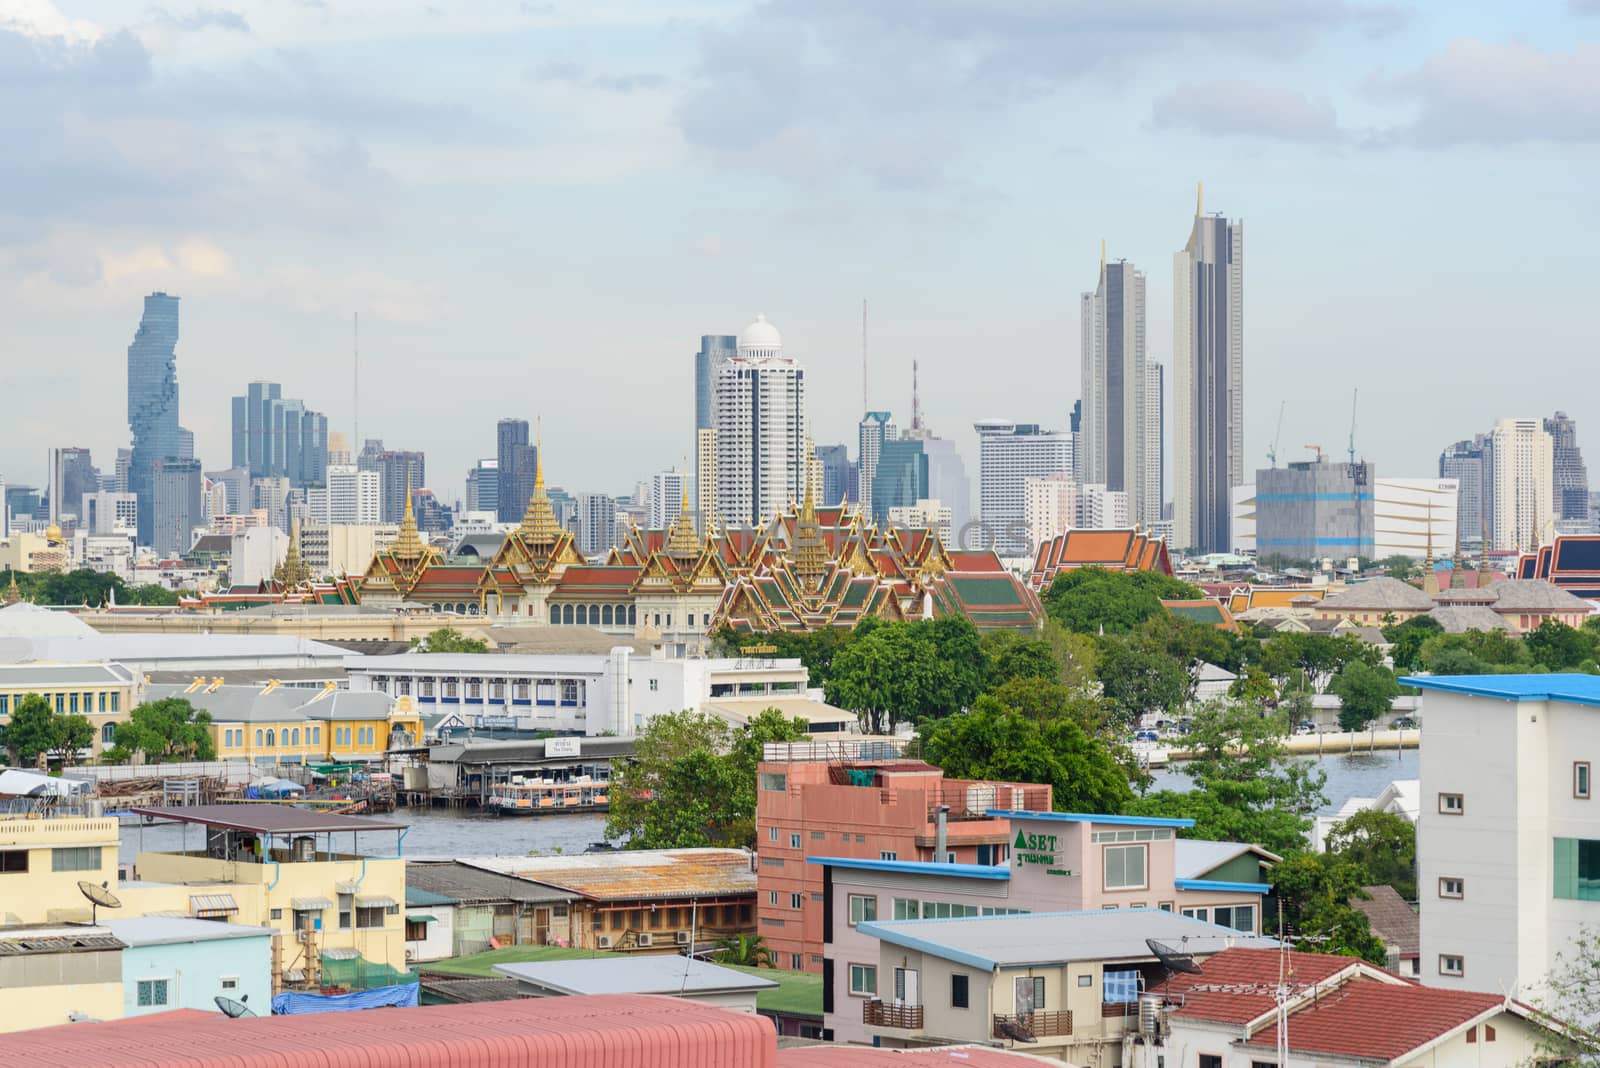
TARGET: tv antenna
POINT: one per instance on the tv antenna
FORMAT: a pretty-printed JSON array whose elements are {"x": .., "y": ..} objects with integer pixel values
[
  {"x": 99, "y": 897},
  {"x": 232, "y": 1008}
]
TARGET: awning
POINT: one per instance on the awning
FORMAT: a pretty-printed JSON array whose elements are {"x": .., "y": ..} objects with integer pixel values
[
  {"x": 422, "y": 919},
  {"x": 310, "y": 904},
  {"x": 213, "y": 904},
  {"x": 376, "y": 901},
  {"x": 347, "y": 888},
  {"x": 340, "y": 953}
]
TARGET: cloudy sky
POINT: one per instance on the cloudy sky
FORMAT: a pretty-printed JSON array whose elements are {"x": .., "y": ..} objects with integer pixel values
[{"x": 538, "y": 205}]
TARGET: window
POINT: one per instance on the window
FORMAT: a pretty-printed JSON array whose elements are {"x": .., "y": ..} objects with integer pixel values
[
  {"x": 772, "y": 834},
  {"x": 272, "y": 738},
  {"x": 945, "y": 910},
  {"x": 887, "y": 854},
  {"x": 1577, "y": 869},
  {"x": 13, "y": 861},
  {"x": 1124, "y": 867},
  {"x": 1120, "y": 987},
  {"x": 774, "y": 781},
  {"x": 259, "y": 736},
  {"x": 569, "y": 691},
  {"x": 794, "y": 839},
  {"x": 907, "y": 908},
  {"x": 229, "y": 982},
  {"x": 1030, "y": 994},
  {"x": 1238, "y": 917},
  {"x": 1263, "y": 1064},
  {"x": 1450, "y": 886},
  {"x": 655, "y": 685},
  {"x": 1198, "y": 914},
  {"x": 863, "y": 909},
  {"x": 1452, "y": 804},
  {"x": 1580, "y": 780},
  {"x": 1450, "y": 964},
  {"x": 116, "y": 702},
  {"x": 277, "y": 914},
  {"x": 795, "y": 900},
  {"x": 75, "y": 858},
  {"x": 1165, "y": 906},
  {"x": 797, "y": 961},
  {"x": 958, "y": 992},
  {"x": 772, "y": 897},
  {"x": 416, "y": 931},
  {"x": 152, "y": 992},
  {"x": 74, "y": 704},
  {"x": 1210, "y": 1060},
  {"x": 863, "y": 980},
  {"x": 347, "y": 904},
  {"x": 108, "y": 734},
  {"x": 294, "y": 736},
  {"x": 369, "y": 916},
  {"x": 819, "y": 836}
]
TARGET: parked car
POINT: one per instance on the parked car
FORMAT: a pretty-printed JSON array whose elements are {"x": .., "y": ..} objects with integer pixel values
[
  {"x": 1147, "y": 736},
  {"x": 1305, "y": 726},
  {"x": 1403, "y": 723}
]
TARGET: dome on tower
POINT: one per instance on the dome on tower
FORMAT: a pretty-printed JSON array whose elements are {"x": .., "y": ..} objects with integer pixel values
[{"x": 760, "y": 338}]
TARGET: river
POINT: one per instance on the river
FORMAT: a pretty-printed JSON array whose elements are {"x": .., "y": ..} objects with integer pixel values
[{"x": 1349, "y": 775}]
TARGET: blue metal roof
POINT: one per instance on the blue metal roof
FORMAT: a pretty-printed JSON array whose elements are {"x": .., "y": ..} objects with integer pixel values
[
  {"x": 1575, "y": 689},
  {"x": 1089, "y": 817},
  {"x": 915, "y": 867},
  {"x": 1221, "y": 886}
]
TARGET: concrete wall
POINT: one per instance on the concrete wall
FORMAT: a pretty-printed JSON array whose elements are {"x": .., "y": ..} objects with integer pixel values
[
  {"x": 195, "y": 971},
  {"x": 440, "y": 942},
  {"x": 32, "y": 896},
  {"x": 26, "y": 1007}
]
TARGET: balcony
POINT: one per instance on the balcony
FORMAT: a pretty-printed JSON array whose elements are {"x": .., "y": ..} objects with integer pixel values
[
  {"x": 1033, "y": 1025},
  {"x": 902, "y": 1017}
]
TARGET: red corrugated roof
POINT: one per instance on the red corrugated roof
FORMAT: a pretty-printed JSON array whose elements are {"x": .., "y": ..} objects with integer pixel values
[
  {"x": 1241, "y": 970},
  {"x": 572, "y": 1032},
  {"x": 1344, "y": 1022},
  {"x": 866, "y": 1057}
]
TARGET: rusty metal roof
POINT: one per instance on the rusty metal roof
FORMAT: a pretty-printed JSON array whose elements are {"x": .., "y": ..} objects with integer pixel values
[
  {"x": 632, "y": 875},
  {"x": 52, "y": 938},
  {"x": 268, "y": 819}
]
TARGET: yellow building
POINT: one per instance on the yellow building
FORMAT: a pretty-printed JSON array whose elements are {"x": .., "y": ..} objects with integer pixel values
[
  {"x": 53, "y": 975},
  {"x": 276, "y": 724},
  {"x": 102, "y": 692},
  {"x": 42, "y": 859},
  {"x": 27, "y": 552}
]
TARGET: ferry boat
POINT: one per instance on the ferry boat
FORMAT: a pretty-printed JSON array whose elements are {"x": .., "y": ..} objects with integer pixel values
[{"x": 532, "y": 797}]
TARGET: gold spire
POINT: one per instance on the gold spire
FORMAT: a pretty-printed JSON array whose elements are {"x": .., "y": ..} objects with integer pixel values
[
  {"x": 539, "y": 526},
  {"x": 292, "y": 572},
  {"x": 810, "y": 555},
  {"x": 682, "y": 540},
  {"x": 408, "y": 545},
  {"x": 12, "y": 594},
  {"x": 52, "y": 534}
]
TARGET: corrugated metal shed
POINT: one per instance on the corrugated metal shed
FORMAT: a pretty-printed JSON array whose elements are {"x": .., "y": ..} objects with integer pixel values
[
  {"x": 593, "y": 1032},
  {"x": 634, "y": 874},
  {"x": 473, "y": 886}
]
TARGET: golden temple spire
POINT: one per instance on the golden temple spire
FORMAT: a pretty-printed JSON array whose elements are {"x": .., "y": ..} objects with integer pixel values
[
  {"x": 539, "y": 526},
  {"x": 810, "y": 555},
  {"x": 12, "y": 594},
  {"x": 408, "y": 545},
  {"x": 682, "y": 540}
]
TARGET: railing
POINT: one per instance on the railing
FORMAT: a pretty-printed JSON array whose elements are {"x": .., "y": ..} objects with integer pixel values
[
  {"x": 878, "y": 1014},
  {"x": 1033, "y": 1024},
  {"x": 973, "y": 800}
]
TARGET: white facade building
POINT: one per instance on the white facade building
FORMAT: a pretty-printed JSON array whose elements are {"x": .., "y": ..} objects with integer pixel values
[
  {"x": 1508, "y": 837},
  {"x": 597, "y": 523},
  {"x": 929, "y": 512},
  {"x": 1009, "y": 454},
  {"x": 1524, "y": 484},
  {"x": 667, "y": 492},
  {"x": 1103, "y": 509},
  {"x": 1116, "y": 436},
  {"x": 343, "y": 548},
  {"x": 351, "y": 497},
  {"x": 759, "y": 412},
  {"x": 256, "y": 552},
  {"x": 874, "y": 429},
  {"x": 109, "y": 513},
  {"x": 1050, "y": 507},
  {"x": 1410, "y": 516}
]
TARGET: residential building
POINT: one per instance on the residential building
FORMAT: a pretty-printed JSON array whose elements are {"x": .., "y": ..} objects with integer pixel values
[
  {"x": 759, "y": 415},
  {"x": 669, "y": 492},
  {"x": 401, "y": 473},
  {"x": 153, "y": 405},
  {"x": 279, "y": 437},
  {"x": 430, "y": 924},
  {"x": 43, "y": 857},
  {"x": 52, "y": 975},
  {"x": 928, "y": 513},
  {"x": 473, "y": 909},
  {"x": 236, "y": 481},
  {"x": 275, "y": 724},
  {"x": 483, "y": 487},
  {"x": 838, "y": 474},
  {"x": 862, "y": 799},
  {"x": 179, "y": 962},
  {"x": 215, "y": 497},
  {"x": 105, "y": 512},
  {"x": 1100, "y": 508},
  {"x": 1394, "y": 920},
  {"x": 343, "y": 549},
  {"x": 705, "y": 479},
  {"x": 175, "y": 492},
  {"x": 1570, "y": 476},
  {"x": 1207, "y": 381},
  {"x": 515, "y": 460},
  {"x": 874, "y": 429},
  {"x": 1050, "y": 506},
  {"x": 691, "y": 980},
  {"x": 352, "y": 497},
  {"x": 597, "y": 523},
  {"x": 1152, "y": 510},
  {"x": 1115, "y": 433},
  {"x": 1009, "y": 454},
  {"x": 1524, "y": 485}
]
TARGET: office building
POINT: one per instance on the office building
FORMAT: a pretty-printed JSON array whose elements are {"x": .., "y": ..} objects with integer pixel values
[
  {"x": 597, "y": 523},
  {"x": 930, "y": 513},
  {"x": 153, "y": 405},
  {"x": 668, "y": 491},
  {"x": 714, "y": 350},
  {"x": 271, "y": 495},
  {"x": 1153, "y": 497},
  {"x": 339, "y": 448},
  {"x": 71, "y": 473},
  {"x": 432, "y": 515},
  {"x": 176, "y": 495},
  {"x": 874, "y": 429},
  {"x": 399, "y": 471},
  {"x": 279, "y": 437},
  {"x": 1050, "y": 506},
  {"x": 1524, "y": 485},
  {"x": 838, "y": 474},
  {"x": 900, "y": 477},
  {"x": 1115, "y": 435},
  {"x": 119, "y": 477},
  {"x": 483, "y": 487},
  {"x": 1100, "y": 508},
  {"x": 342, "y": 550},
  {"x": 109, "y": 513},
  {"x": 1207, "y": 382},
  {"x": 1571, "y": 486},
  {"x": 1075, "y": 431},
  {"x": 351, "y": 497},
  {"x": 515, "y": 462},
  {"x": 1415, "y": 517},
  {"x": 948, "y": 482},
  {"x": 1009, "y": 454},
  {"x": 1470, "y": 464},
  {"x": 759, "y": 415}
]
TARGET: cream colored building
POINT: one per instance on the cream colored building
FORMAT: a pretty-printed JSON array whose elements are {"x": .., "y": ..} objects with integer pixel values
[
  {"x": 342, "y": 548},
  {"x": 1524, "y": 515},
  {"x": 27, "y": 552},
  {"x": 52, "y": 975},
  {"x": 104, "y": 693},
  {"x": 42, "y": 860}
]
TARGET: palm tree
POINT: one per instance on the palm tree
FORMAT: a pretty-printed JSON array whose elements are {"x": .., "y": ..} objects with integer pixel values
[{"x": 748, "y": 950}]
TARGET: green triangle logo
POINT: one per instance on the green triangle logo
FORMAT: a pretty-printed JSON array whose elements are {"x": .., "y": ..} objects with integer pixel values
[{"x": 1021, "y": 842}]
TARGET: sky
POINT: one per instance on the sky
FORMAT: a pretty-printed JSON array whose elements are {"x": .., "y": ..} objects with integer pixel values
[{"x": 537, "y": 206}]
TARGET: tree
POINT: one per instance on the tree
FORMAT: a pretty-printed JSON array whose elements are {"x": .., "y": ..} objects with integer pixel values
[
  {"x": 1365, "y": 693},
  {"x": 813, "y": 648},
  {"x": 748, "y": 951},
  {"x": 1042, "y": 699},
  {"x": 1568, "y": 1000},
  {"x": 1093, "y": 600},
  {"x": 449, "y": 640},
  {"x": 149, "y": 594},
  {"x": 1318, "y": 656},
  {"x": 1400, "y": 567},
  {"x": 36, "y": 730},
  {"x": 993, "y": 742},
  {"x": 1314, "y": 891},
  {"x": 1406, "y": 640},
  {"x": 1136, "y": 680},
  {"x": 1554, "y": 645},
  {"x": 1477, "y": 652},
  {"x": 1009, "y": 654},
  {"x": 891, "y": 672},
  {"x": 1254, "y": 686},
  {"x": 166, "y": 730},
  {"x": 1077, "y": 657},
  {"x": 1382, "y": 846}
]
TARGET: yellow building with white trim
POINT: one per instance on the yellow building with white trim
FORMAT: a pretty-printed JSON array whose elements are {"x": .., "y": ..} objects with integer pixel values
[{"x": 103, "y": 693}]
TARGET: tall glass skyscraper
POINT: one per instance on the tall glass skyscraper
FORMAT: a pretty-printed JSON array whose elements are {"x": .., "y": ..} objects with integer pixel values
[
  {"x": 714, "y": 348},
  {"x": 516, "y": 460},
  {"x": 153, "y": 404}
]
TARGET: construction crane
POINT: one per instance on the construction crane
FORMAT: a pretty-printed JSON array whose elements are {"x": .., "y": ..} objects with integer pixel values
[
  {"x": 1354, "y": 393},
  {"x": 1318, "y": 449},
  {"x": 1272, "y": 453}
]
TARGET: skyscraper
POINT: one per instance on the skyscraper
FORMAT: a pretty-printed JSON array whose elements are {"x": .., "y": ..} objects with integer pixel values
[
  {"x": 714, "y": 349},
  {"x": 483, "y": 487},
  {"x": 1115, "y": 437},
  {"x": 400, "y": 470},
  {"x": 1009, "y": 454},
  {"x": 153, "y": 404},
  {"x": 901, "y": 477},
  {"x": 1571, "y": 476},
  {"x": 597, "y": 523},
  {"x": 278, "y": 437},
  {"x": 874, "y": 429},
  {"x": 1524, "y": 485},
  {"x": 667, "y": 490},
  {"x": 351, "y": 497},
  {"x": 176, "y": 492},
  {"x": 835, "y": 483},
  {"x": 759, "y": 411},
  {"x": 1208, "y": 381},
  {"x": 1152, "y": 498},
  {"x": 516, "y": 460},
  {"x": 71, "y": 474},
  {"x": 1471, "y": 464}
]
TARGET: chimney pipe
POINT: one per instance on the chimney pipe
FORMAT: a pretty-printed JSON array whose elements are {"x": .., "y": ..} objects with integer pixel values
[{"x": 939, "y": 834}]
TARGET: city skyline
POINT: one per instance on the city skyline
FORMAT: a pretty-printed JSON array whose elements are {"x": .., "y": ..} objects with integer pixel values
[{"x": 670, "y": 159}]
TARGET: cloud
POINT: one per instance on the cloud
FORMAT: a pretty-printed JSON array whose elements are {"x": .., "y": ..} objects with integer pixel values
[
  {"x": 40, "y": 18},
  {"x": 565, "y": 72},
  {"x": 1228, "y": 108},
  {"x": 201, "y": 19},
  {"x": 1478, "y": 92}
]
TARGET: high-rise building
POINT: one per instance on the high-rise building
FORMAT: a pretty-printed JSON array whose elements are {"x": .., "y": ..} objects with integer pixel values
[
  {"x": 1050, "y": 506},
  {"x": 275, "y": 436},
  {"x": 948, "y": 482},
  {"x": 705, "y": 479},
  {"x": 176, "y": 491},
  {"x": 1314, "y": 509},
  {"x": 271, "y": 495},
  {"x": 236, "y": 480},
  {"x": 5, "y": 510},
  {"x": 1115, "y": 435},
  {"x": 759, "y": 412},
  {"x": 874, "y": 429},
  {"x": 153, "y": 404},
  {"x": 431, "y": 514},
  {"x": 667, "y": 492},
  {"x": 1471, "y": 464},
  {"x": 837, "y": 474},
  {"x": 106, "y": 512},
  {"x": 339, "y": 448},
  {"x": 1075, "y": 428},
  {"x": 714, "y": 350},
  {"x": 1571, "y": 476},
  {"x": 1207, "y": 381},
  {"x": 1009, "y": 454},
  {"x": 901, "y": 477},
  {"x": 483, "y": 487},
  {"x": 597, "y": 523},
  {"x": 929, "y": 513},
  {"x": 351, "y": 497},
  {"x": 71, "y": 473},
  {"x": 1524, "y": 485},
  {"x": 516, "y": 460},
  {"x": 400, "y": 471},
  {"x": 1100, "y": 508},
  {"x": 1153, "y": 496}
]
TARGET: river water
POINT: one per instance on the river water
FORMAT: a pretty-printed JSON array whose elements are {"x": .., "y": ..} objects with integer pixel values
[{"x": 453, "y": 832}]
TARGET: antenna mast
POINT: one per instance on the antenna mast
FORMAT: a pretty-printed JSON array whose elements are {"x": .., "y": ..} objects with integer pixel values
[{"x": 916, "y": 402}]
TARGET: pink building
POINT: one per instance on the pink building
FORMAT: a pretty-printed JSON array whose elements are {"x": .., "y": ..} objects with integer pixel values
[{"x": 862, "y": 800}]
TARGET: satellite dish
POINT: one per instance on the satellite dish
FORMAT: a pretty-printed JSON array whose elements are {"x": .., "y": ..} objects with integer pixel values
[
  {"x": 1174, "y": 960},
  {"x": 1014, "y": 1031},
  {"x": 99, "y": 897},
  {"x": 233, "y": 1009}
]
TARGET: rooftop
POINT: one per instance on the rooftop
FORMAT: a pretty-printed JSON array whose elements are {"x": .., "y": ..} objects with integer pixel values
[
  {"x": 45, "y": 938},
  {"x": 635, "y": 874},
  {"x": 1236, "y": 985},
  {"x": 1535, "y": 595},
  {"x": 268, "y": 819},
  {"x": 1046, "y": 938},
  {"x": 173, "y": 930},
  {"x": 467, "y": 885},
  {"x": 1193, "y": 857},
  {"x": 1089, "y": 817},
  {"x": 916, "y": 867},
  {"x": 671, "y": 975},
  {"x": 1391, "y": 919},
  {"x": 1574, "y": 689},
  {"x": 1378, "y": 594},
  {"x": 840, "y": 1056}
]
